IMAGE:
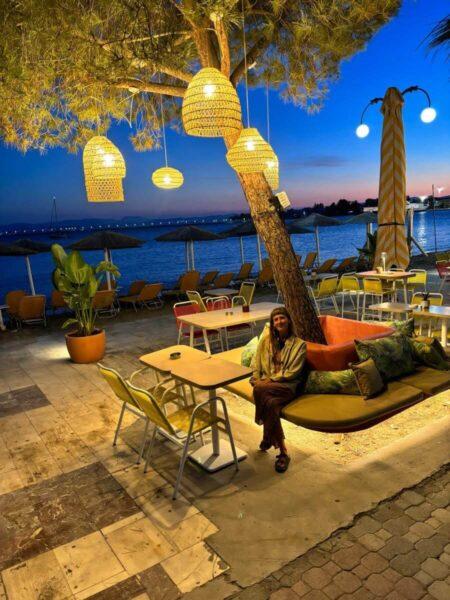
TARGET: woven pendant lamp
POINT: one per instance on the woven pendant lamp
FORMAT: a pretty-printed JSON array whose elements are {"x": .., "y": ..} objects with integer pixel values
[
  {"x": 251, "y": 153},
  {"x": 272, "y": 173},
  {"x": 104, "y": 169},
  {"x": 211, "y": 106},
  {"x": 167, "y": 178}
]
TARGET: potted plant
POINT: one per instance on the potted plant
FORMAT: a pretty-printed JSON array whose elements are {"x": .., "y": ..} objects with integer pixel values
[{"x": 79, "y": 282}]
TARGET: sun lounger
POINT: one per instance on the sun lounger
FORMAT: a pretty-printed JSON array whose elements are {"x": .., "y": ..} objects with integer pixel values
[
  {"x": 104, "y": 303},
  {"x": 149, "y": 297},
  {"x": 31, "y": 310},
  {"x": 326, "y": 266},
  {"x": 188, "y": 281},
  {"x": 309, "y": 261},
  {"x": 244, "y": 272},
  {"x": 347, "y": 264},
  {"x": 223, "y": 280}
]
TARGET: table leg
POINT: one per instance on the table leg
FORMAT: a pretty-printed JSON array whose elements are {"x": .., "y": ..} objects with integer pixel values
[
  {"x": 444, "y": 327},
  {"x": 191, "y": 336},
  {"x": 2, "y": 324},
  {"x": 405, "y": 291},
  {"x": 205, "y": 337},
  {"x": 218, "y": 454}
]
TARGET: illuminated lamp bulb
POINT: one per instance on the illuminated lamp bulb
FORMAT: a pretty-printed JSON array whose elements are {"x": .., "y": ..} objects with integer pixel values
[
  {"x": 362, "y": 130},
  {"x": 428, "y": 115}
]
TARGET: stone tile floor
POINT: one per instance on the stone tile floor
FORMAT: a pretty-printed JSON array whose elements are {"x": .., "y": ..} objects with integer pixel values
[
  {"x": 78, "y": 518},
  {"x": 400, "y": 550}
]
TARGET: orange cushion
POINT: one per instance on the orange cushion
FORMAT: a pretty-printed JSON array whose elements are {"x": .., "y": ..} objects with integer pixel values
[{"x": 340, "y": 348}]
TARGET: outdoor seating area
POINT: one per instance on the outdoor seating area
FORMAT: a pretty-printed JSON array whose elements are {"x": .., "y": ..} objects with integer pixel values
[{"x": 225, "y": 300}]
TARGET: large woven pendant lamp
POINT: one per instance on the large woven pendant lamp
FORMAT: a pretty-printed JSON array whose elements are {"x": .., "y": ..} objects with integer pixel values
[
  {"x": 104, "y": 169},
  {"x": 250, "y": 153},
  {"x": 166, "y": 178},
  {"x": 272, "y": 172},
  {"x": 211, "y": 106}
]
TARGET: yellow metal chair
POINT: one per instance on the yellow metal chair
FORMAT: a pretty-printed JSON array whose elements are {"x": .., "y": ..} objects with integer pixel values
[
  {"x": 326, "y": 290},
  {"x": 245, "y": 296},
  {"x": 194, "y": 296},
  {"x": 418, "y": 281},
  {"x": 189, "y": 421},
  {"x": 349, "y": 286},
  {"x": 373, "y": 287},
  {"x": 116, "y": 382}
]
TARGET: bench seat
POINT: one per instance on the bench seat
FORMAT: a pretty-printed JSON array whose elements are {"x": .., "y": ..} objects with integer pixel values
[
  {"x": 338, "y": 413},
  {"x": 430, "y": 381}
]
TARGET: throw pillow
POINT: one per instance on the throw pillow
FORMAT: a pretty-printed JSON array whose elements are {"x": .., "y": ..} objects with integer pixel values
[
  {"x": 426, "y": 354},
  {"x": 249, "y": 352},
  {"x": 368, "y": 378},
  {"x": 404, "y": 327},
  {"x": 331, "y": 382},
  {"x": 432, "y": 341},
  {"x": 392, "y": 355}
]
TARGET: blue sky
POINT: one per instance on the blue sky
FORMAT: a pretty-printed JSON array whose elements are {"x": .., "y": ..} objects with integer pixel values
[{"x": 321, "y": 159}]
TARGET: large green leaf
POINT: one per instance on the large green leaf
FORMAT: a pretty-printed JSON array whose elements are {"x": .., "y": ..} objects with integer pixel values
[
  {"x": 69, "y": 322},
  {"x": 59, "y": 255}
]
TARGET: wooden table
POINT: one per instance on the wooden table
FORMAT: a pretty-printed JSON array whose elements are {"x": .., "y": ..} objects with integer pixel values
[
  {"x": 390, "y": 276},
  {"x": 221, "y": 292},
  {"x": 161, "y": 362},
  {"x": 393, "y": 307},
  {"x": 436, "y": 312},
  {"x": 221, "y": 319},
  {"x": 210, "y": 374}
]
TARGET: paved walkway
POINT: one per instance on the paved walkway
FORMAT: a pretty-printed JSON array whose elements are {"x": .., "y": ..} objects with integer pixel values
[{"x": 400, "y": 550}]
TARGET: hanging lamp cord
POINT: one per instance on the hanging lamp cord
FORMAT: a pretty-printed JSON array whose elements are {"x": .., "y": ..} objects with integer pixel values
[
  {"x": 245, "y": 64},
  {"x": 268, "y": 111},
  {"x": 163, "y": 124}
]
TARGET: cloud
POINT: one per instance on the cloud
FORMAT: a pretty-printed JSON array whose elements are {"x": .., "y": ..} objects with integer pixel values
[{"x": 318, "y": 161}]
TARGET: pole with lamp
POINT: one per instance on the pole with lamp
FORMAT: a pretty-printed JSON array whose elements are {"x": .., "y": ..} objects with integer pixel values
[{"x": 392, "y": 188}]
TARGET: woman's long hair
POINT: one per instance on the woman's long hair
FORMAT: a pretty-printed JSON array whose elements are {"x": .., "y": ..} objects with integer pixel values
[{"x": 276, "y": 343}]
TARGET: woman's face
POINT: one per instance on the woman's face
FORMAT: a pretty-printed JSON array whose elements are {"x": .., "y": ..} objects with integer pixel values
[{"x": 281, "y": 324}]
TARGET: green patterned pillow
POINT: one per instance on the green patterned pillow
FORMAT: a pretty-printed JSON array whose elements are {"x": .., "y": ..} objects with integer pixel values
[
  {"x": 427, "y": 354},
  {"x": 249, "y": 352},
  {"x": 332, "y": 382},
  {"x": 392, "y": 355},
  {"x": 404, "y": 327}
]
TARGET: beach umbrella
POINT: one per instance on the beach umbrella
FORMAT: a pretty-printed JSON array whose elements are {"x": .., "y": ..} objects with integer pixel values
[
  {"x": 314, "y": 220},
  {"x": 364, "y": 218},
  {"x": 391, "y": 237},
  {"x": 245, "y": 229},
  {"x": 107, "y": 241},
  {"x": 15, "y": 250},
  {"x": 188, "y": 234}
]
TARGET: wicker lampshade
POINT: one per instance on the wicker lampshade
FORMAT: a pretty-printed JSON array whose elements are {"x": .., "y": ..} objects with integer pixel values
[
  {"x": 211, "y": 105},
  {"x": 167, "y": 178},
  {"x": 251, "y": 153},
  {"x": 272, "y": 173},
  {"x": 104, "y": 169}
]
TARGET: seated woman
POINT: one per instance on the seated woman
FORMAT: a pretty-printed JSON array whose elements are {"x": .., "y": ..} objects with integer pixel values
[{"x": 278, "y": 368}]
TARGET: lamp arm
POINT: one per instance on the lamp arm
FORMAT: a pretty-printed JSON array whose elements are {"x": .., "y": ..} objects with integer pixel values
[
  {"x": 416, "y": 88},
  {"x": 373, "y": 101}
]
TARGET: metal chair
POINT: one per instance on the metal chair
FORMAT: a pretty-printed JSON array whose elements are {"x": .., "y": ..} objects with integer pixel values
[
  {"x": 194, "y": 296},
  {"x": 187, "y": 308},
  {"x": 373, "y": 287},
  {"x": 349, "y": 286},
  {"x": 245, "y": 296},
  {"x": 189, "y": 420},
  {"x": 326, "y": 290}
]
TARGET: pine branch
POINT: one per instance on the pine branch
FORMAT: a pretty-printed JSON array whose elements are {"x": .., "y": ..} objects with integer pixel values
[
  {"x": 135, "y": 85},
  {"x": 258, "y": 47}
]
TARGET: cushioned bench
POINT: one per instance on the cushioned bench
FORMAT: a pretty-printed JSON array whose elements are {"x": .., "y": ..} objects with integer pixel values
[{"x": 339, "y": 413}]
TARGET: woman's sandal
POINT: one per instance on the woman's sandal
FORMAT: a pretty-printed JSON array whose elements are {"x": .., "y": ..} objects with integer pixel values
[
  {"x": 265, "y": 446},
  {"x": 282, "y": 463}
]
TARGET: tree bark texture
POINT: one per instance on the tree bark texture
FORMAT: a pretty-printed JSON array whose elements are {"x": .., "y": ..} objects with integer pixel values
[{"x": 287, "y": 274}]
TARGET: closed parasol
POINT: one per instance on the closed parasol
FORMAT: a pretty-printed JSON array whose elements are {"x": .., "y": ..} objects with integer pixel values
[{"x": 391, "y": 237}]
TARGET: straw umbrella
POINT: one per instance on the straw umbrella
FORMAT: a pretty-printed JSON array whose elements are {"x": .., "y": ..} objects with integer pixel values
[
  {"x": 364, "y": 218},
  {"x": 391, "y": 237},
  {"x": 107, "y": 241},
  {"x": 15, "y": 250},
  {"x": 188, "y": 234},
  {"x": 245, "y": 229},
  {"x": 314, "y": 220}
]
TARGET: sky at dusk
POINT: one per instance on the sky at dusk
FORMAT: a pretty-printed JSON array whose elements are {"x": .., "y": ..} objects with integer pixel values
[{"x": 321, "y": 159}]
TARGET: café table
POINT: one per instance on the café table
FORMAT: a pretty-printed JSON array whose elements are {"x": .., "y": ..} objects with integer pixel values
[
  {"x": 390, "y": 276},
  {"x": 221, "y": 319},
  {"x": 441, "y": 313},
  {"x": 218, "y": 292},
  {"x": 393, "y": 307},
  {"x": 210, "y": 374}
]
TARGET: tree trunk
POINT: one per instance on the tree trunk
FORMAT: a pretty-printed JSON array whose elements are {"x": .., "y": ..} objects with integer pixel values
[{"x": 286, "y": 271}]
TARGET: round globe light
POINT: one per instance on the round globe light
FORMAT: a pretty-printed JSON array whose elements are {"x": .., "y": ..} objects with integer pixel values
[
  {"x": 428, "y": 114},
  {"x": 362, "y": 130}
]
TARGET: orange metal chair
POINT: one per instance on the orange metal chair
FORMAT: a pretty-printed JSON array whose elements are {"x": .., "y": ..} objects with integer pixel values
[{"x": 12, "y": 300}]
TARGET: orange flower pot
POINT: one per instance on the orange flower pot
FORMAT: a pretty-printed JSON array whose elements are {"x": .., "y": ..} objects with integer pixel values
[{"x": 86, "y": 349}]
